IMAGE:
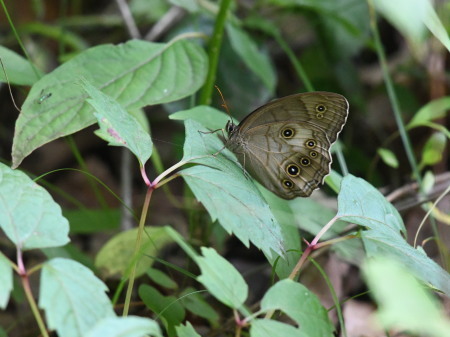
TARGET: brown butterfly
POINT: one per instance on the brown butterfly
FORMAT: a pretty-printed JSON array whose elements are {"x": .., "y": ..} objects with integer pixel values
[{"x": 285, "y": 144}]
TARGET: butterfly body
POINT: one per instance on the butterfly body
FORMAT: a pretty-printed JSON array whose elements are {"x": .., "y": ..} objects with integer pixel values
[{"x": 285, "y": 144}]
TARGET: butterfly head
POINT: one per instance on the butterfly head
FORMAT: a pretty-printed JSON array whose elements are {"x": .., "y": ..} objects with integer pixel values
[{"x": 230, "y": 127}]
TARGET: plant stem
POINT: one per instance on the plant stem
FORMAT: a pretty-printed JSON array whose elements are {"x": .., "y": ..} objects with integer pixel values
[
  {"x": 214, "y": 52},
  {"x": 29, "y": 295},
  {"x": 137, "y": 249},
  {"x": 391, "y": 93}
]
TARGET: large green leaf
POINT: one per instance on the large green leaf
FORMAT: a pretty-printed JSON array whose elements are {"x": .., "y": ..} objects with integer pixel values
[
  {"x": 227, "y": 193},
  {"x": 412, "y": 17},
  {"x": 360, "y": 203},
  {"x": 301, "y": 305},
  {"x": 73, "y": 298},
  {"x": 403, "y": 302},
  {"x": 131, "y": 326},
  {"x": 136, "y": 74},
  {"x": 28, "y": 214}
]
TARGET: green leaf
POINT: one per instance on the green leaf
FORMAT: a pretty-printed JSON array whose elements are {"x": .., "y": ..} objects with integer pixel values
[
  {"x": 116, "y": 255},
  {"x": 161, "y": 278},
  {"x": 186, "y": 330},
  {"x": 6, "y": 280},
  {"x": 136, "y": 74},
  {"x": 227, "y": 194},
  {"x": 18, "y": 69},
  {"x": 412, "y": 17},
  {"x": 210, "y": 118},
  {"x": 271, "y": 328},
  {"x": 221, "y": 279},
  {"x": 403, "y": 302},
  {"x": 196, "y": 304},
  {"x": 167, "y": 308},
  {"x": 430, "y": 111},
  {"x": 86, "y": 221},
  {"x": 388, "y": 157},
  {"x": 360, "y": 203},
  {"x": 119, "y": 127},
  {"x": 433, "y": 149},
  {"x": 29, "y": 216},
  {"x": 257, "y": 61},
  {"x": 73, "y": 298},
  {"x": 301, "y": 305},
  {"x": 131, "y": 326}
]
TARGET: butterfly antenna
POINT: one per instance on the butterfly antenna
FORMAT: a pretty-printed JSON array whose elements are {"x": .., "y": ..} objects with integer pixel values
[
  {"x": 9, "y": 86},
  {"x": 224, "y": 103}
]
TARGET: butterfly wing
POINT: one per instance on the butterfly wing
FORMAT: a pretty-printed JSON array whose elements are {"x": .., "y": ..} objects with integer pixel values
[
  {"x": 285, "y": 144},
  {"x": 289, "y": 167},
  {"x": 326, "y": 110}
]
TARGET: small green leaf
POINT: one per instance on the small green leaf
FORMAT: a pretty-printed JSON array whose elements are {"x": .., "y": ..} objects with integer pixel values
[
  {"x": 256, "y": 60},
  {"x": 388, "y": 157},
  {"x": 18, "y": 69},
  {"x": 73, "y": 298},
  {"x": 167, "y": 308},
  {"x": 29, "y": 216},
  {"x": 161, "y": 278},
  {"x": 227, "y": 194},
  {"x": 119, "y": 126},
  {"x": 433, "y": 149},
  {"x": 186, "y": 330},
  {"x": 6, "y": 281},
  {"x": 221, "y": 279},
  {"x": 301, "y": 305},
  {"x": 431, "y": 111},
  {"x": 210, "y": 118},
  {"x": 136, "y": 74},
  {"x": 116, "y": 255},
  {"x": 271, "y": 328},
  {"x": 428, "y": 181},
  {"x": 194, "y": 302},
  {"x": 130, "y": 326},
  {"x": 403, "y": 302}
]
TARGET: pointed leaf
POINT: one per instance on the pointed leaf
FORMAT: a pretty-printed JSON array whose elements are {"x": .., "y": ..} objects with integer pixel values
[
  {"x": 136, "y": 74},
  {"x": 6, "y": 281},
  {"x": 221, "y": 279},
  {"x": 131, "y": 326},
  {"x": 121, "y": 128},
  {"x": 403, "y": 301},
  {"x": 227, "y": 194},
  {"x": 28, "y": 214},
  {"x": 167, "y": 308},
  {"x": 271, "y": 328},
  {"x": 301, "y": 305},
  {"x": 360, "y": 203},
  {"x": 18, "y": 69},
  {"x": 73, "y": 298},
  {"x": 256, "y": 60},
  {"x": 388, "y": 157},
  {"x": 431, "y": 111},
  {"x": 116, "y": 255},
  {"x": 186, "y": 330}
]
